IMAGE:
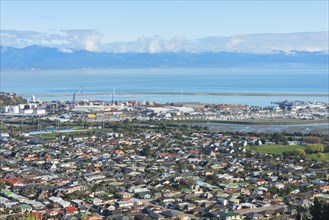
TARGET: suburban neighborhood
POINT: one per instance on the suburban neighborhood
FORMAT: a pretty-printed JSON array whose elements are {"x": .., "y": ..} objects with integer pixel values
[{"x": 156, "y": 169}]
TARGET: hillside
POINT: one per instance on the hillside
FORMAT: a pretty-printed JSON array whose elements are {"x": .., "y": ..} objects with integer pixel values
[{"x": 10, "y": 99}]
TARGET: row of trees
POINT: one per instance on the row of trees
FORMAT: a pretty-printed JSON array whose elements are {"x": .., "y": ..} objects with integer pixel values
[
  {"x": 309, "y": 149},
  {"x": 314, "y": 148}
]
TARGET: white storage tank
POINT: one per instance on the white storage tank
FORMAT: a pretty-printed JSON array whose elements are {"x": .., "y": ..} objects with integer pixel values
[
  {"x": 14, "y": 109},
  {"x": 40, "y": 111},
  {"x": 21, "y": 106},
  {"x": 33, "y": 106},
  {"x": 5, "y": 109},
  {"x": 27, "y": 111}
]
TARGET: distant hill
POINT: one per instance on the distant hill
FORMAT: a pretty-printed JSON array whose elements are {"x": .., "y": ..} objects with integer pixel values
[{"x": 52, "y": 58}]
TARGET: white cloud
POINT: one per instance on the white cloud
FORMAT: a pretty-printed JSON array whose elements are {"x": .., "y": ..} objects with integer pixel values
[
  {"x": 84, "y": 39},
  {"x": 75, "y": 39},
  {"x": 91, "y": 40},
  {"x": 234, "y": 43}
]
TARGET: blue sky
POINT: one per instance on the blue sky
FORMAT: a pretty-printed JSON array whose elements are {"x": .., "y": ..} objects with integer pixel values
[{"x": 129, "y": 20}]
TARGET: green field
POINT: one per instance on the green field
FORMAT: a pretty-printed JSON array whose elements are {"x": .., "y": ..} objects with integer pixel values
[
  {"x": 58, "y": 134},
  {"x": 3, "y": 128},
  {"x": 279, "y": 149},
  {"x": 275, "y": 148},
  {"x": 46, "y": 136}
]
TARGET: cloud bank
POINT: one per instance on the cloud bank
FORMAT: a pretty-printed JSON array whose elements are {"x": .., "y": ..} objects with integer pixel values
[
  {"x": 64, "y": 40},
  {"x": 91, "y": 40}
]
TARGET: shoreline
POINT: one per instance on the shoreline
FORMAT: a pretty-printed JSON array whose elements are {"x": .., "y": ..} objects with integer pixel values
[{"x": 283, "y": 122}]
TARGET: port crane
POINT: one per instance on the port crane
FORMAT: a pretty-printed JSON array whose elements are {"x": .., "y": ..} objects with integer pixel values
[
  {"x": 74, "y": 95},
  {"x": 113, "y": 92}
]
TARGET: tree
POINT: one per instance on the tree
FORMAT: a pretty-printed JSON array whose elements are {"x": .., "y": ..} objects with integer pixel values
[
  {"x": 278, "y": 137},
  {"x": 319, "y": 210},
  {"x": 312, "y": 139},
  {"x": 321, "y": 156},
  {"x": 300, "y": 153},
  {"x": 146, "y": 151},
  {"x": 314, "y": 148},
  {"x": 298, "y": 216}
]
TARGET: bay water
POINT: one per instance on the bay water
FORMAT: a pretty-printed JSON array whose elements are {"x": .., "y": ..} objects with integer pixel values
[{"x": 253, "y": 86}]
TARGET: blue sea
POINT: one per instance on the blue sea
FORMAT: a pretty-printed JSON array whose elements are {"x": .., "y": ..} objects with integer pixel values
[{"x": 61, "y": 84}]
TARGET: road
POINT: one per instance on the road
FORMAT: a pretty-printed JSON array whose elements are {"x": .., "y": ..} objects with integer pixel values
[
  {"x": 261, "y": 209},
  {"x": 148, "y": 202}
]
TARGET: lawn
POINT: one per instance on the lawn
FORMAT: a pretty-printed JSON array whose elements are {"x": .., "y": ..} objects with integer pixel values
[
  {"x": 46, "y": 135},
  {"x": 57, "y": 134},
  {"x": 279, "y": 149},
  {"x": 275, "y": 148}
]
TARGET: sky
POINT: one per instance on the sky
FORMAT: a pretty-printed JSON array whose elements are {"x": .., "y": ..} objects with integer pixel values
[{"x": 119, "y": 21}]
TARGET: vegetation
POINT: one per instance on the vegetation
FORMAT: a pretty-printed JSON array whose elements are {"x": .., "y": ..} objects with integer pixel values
[
  {"x": 312, "y": 139},
  {"x": 310, "y": 151},
  {"x": 10, "y": 99},
  {"x": 275, "y": 148},
  {"x": 318, "y": 156},
  {"x": 320, "y": 210},
  {"x": 314, "y": 148}
]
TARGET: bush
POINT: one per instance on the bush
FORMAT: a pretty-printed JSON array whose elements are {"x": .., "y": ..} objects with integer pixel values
[
  {"x": 295, "y": 153},
  {"x": 312, "y": 140},
  {"x": 314, "y": 148},
  {"x": 300, "y": 152},
  {"x": 321, "y": 156}
]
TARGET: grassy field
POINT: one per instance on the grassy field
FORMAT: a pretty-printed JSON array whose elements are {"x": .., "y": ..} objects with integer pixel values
[
  {"x": 58, "y": 134},
  {"x": 279, "y": 149},
  {"x": 275, "y": 149},
  {"x": 47, "y": 136}
]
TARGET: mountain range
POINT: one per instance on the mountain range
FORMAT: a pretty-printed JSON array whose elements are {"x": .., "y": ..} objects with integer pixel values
[
  {"x": 91, "y": 40},
  {"x": 42, "y": 57}
]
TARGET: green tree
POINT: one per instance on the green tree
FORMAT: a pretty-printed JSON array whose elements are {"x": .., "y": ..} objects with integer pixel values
[
  {"x": 278, "y": 137},
  {"x": 319, "y": 210},
  {"x": 321, "y": 156},
  {"x": 146, "y": 151},
  {"x": 300, "y": 153},
  {"x": 314, "y": 148}
]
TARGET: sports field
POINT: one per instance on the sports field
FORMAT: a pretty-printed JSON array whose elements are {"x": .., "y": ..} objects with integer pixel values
[
  {"x": 275, "y": 148},
  {"x": 280, "y": 148}
]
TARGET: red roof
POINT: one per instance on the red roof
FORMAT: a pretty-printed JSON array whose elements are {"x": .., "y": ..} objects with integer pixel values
[
  {"x": 37, "y": 215},
  {"x": 71, "y": 209},
  {"x": 14, "y": 180},
  {"x": 118, "y": 152},
  {"x": 167, "y": 155}
]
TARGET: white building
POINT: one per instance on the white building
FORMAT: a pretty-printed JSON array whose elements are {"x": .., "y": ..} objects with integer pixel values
[
  {"x": 40, "y": 112},
  {"x": 13, "y": 110},
  {"x": 4, "y": 136}
]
